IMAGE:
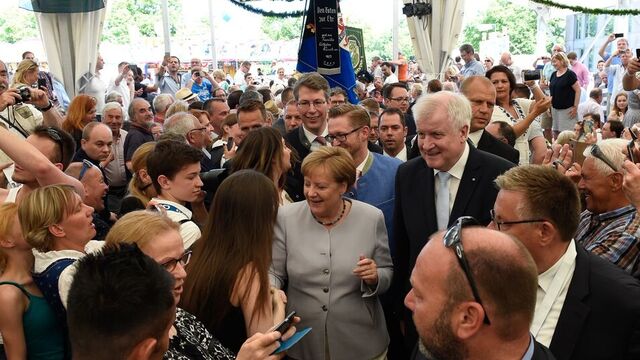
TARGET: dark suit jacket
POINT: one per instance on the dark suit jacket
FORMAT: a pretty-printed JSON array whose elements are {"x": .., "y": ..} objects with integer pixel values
[
  {"x": 415, "y": 216},
  {"x": 494, "y": 146},
  {"x": 600, "y": 318}
]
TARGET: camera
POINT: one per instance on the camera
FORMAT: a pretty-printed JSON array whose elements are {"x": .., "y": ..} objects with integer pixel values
[
  {"x": 197, "y": 73},
  {"x": 529, "y": 75},
  {"x": 25, "y": 94}
]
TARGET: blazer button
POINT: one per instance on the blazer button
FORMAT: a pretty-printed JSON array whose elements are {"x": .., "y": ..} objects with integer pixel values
[
  {"x": 326, "y": 271},
  {"x": 325, "y": 289},
  {"x": 324, "y": 307}
]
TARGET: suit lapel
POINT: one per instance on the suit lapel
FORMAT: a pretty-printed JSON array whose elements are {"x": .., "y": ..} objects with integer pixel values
[
  {"x": 468, "y": 183},
  {"x": 425, "y": 184},
  {"x": 574, "y": 311}
]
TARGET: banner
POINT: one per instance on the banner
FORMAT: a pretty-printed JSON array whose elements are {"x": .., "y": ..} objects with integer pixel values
[
  {"x": 326, "y": 50},
  {"x": 355, "y": 45}
]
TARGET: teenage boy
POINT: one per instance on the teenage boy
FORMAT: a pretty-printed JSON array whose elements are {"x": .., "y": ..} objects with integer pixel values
[{"x": 174, "y": 168}]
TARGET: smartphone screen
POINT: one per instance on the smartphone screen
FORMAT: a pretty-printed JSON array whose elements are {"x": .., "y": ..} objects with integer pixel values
[
  {"x": 587, "y": 127},
  {"x": 637, "y": 53},
  {"x": 42, "y": 83}
]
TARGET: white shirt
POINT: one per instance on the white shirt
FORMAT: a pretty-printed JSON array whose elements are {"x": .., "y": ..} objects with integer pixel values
[
  {"x": 402, "y": 155},
  {"x": 391, "y": 79},
  {"x": 238, "y": 79},
  {"x": 456, "y": 172},
  {"x": 123, "y": 90},
  {"x": 552, "y": 291},
  {"x": 590, "y": 107},
  {"x": 115, "y": 170},
  {"x": 475, "y": 137},
  {"x": 312, "y": 137}
]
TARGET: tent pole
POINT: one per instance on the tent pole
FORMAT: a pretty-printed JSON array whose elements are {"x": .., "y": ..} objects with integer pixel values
[
  {"x": 165, "y": 25},
  {"x": 214, "y": 60},
  {"x": 396, "y": 6}
]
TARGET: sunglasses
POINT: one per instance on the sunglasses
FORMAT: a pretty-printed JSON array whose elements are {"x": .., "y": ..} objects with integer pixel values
[
  {"x": 55, "y": 135},
  {"x": 597, "y": 153},
  {"x": 452, "y": 240},
  {"x": 86, "y": 165}
]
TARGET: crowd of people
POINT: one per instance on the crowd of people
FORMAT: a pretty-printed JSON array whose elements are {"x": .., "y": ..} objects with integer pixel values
[{"x": 490, "y": 215}]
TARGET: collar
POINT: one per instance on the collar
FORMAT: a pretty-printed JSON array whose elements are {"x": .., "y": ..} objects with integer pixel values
[
  {"x": 475, "y": 137},
  {"x": 470, "y": 63},
  {"x": 311, "y": 136},
  {"x": 402, "y": 155},
  {"x": 365, "y": 164},
  {"x": 142, "y": 128},
  {"x": 173, "y": 206},
  {"x": 44, "y": 259},
  {"x": 206, "y": 153},
  {"x": 528, "y": 355},
  {"x": 458, "y": 168},
  {"x": 610, "y": 215},
  {"x": 546, "y": 278}
]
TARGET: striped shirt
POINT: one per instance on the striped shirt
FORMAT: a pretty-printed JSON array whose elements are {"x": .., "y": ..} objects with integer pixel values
[{"x": 612, "y": 235}]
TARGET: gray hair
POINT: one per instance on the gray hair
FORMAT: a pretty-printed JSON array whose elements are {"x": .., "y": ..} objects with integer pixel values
[
  {"x": 180, "y": 124},
  {"x": 614, "y": 150},
  {"x": 112, "y": 97},
  {"x": 457, "y": 108},
  {"x": 112, "y": 105},
  {"x": 131, "y": 112},
  {"x": 177, "y": 107},
  {"x": 161, "y": 103}
]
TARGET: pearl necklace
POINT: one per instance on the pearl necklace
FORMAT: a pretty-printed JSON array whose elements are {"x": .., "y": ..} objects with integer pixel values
[{"x": 344, "y": 207}]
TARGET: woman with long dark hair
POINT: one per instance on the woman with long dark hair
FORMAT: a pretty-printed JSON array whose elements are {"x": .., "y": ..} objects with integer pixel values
[
  {"x": 264, "y": 150},
  {"x": 228, "y": 286}
]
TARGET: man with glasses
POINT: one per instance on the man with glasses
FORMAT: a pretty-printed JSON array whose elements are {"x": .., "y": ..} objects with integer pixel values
[
  {"x": 586, "y": 308},
  {"x": 471, "y": 65},
  {"x": 607, "y": 225},
  {"x": 311, "y": 93},
  {"x": 396, "y": 95},
  {"x": 452, "y": 319},
  {"x": 337, "y": 96},
  {"x": 449, "y": 180}
]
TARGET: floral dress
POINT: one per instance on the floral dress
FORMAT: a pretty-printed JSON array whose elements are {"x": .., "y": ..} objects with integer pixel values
[{"x": 194, "y": 342}]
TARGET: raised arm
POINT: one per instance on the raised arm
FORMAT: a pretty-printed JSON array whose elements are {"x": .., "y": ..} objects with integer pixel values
[
  {"x": 33, "y": 161},
  {"x": 630, "y": 80},
  {"x": 605, "y": 44}
]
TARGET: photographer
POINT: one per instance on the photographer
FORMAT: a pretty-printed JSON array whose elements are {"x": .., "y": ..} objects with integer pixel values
[{"x": 23, "y": 108}]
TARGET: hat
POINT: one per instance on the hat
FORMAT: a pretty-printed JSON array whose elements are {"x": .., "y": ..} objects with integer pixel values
[{"x": 185, "y": 94}]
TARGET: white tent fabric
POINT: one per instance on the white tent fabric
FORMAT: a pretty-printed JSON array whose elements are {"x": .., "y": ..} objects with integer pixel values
[
  {"x": 71, "y": 43},
  {"x": 435, "y": 36}
]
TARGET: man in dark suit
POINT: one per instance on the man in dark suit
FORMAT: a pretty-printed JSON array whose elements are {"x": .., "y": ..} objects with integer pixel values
[
  {"x": 452, "y": 319},
  {"x": 586, "y": 308},
  {"x": 396, "y": 95},
  {"x": 482, "y": 94},
  {"x": 443, "y": 124}
]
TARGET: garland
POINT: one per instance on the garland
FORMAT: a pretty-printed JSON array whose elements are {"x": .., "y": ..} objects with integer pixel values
[
  {"x": 584, "y": 10},
  {"x": 262, "y": 12}
]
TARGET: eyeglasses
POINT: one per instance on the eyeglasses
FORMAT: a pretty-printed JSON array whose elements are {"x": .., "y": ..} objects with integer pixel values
[
  {"x": 198, "y": 129},
  {"x": 55, "y": 135},
  {"x": 86, "y": 165},
  {"x": 597, "y": 153},
  {"x": 487, "y": 60},
  {"x": 400, "y": 99},
  {"x": 452, "y": 240},
  {"x": 502, "y": 223},
  {"x": 341, "y": 137},
  {"x": 307, "y": 104},
  {"x": 170, "y": 265}
]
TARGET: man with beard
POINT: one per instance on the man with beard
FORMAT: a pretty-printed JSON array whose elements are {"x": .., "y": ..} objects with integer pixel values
[
  {"x": 452, "y": 320},
  {"x": 396, "y": 96},
  {"x": 393, "y": 132}
]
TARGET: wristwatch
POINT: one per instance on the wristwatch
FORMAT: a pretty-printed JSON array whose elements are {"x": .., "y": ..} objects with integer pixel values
[{"x": 46, "y": 108}]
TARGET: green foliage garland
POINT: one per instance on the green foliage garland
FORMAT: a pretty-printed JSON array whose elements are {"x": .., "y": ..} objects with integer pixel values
[
  {"x": 584, "y": 10},
  {"x": 262, "y": 12}
]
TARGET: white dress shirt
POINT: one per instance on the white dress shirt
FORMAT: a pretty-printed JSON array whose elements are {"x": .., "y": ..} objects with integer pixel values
[
  {"x": 552, "y": 291},
  {"x": 456, "y": 172},
  {"x": 402, "y": 155},
  {"x": 312, "y": 138}
]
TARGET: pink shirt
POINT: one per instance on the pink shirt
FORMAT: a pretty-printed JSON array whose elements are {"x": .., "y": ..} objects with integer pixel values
[{"x": 583, "y": 74}]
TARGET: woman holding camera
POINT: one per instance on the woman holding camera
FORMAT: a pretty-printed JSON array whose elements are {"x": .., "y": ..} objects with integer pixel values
[{"x": 519, "y": 113}]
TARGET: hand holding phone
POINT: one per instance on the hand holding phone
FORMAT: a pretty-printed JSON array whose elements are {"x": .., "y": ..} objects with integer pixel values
[{"x": 285, "y": 324}]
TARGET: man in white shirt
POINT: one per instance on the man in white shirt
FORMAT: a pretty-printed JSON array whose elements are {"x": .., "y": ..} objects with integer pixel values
[
  {"x": 123, "y": 84},
  {"x": 586, "y": 308},
  {"x": 388, "y": 70},
  {"x": 239, "y": 77},
  {"x": 592, "y": 105}
]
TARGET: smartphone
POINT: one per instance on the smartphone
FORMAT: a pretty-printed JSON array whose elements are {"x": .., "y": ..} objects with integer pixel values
[
  {"x": 229, "y": 144},
  {"x": 531, "y": 75},
  {"x": 618, "y": 35},
  {"x": 587, "y": 126},
  {"x": 287, "y": 344},
  {"x": 638, "y": 54},
  {"x": 42, "y": 83},
  {"x": 630, "y": 148},
  {"x": 285, "y": 324}
]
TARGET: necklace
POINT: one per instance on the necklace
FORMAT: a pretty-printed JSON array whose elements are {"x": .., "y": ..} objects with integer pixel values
[{"x": 344, "y": 207}]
